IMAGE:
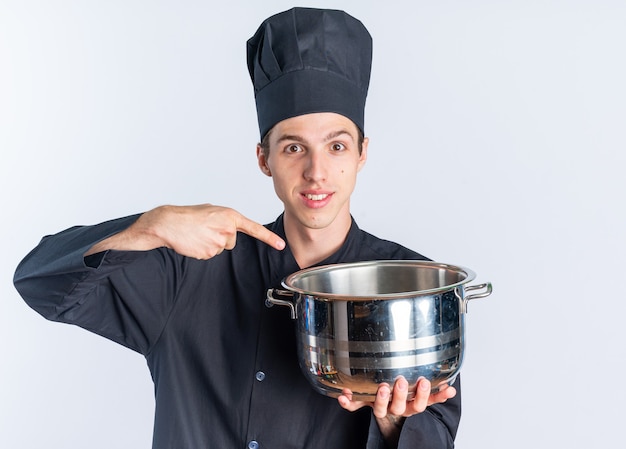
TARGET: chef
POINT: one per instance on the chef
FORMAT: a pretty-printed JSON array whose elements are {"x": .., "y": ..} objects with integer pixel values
[{"x": 185, "y": 285}]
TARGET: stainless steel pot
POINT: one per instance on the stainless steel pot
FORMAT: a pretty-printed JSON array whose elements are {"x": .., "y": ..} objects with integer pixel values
[{"x": 361, "y": 324}]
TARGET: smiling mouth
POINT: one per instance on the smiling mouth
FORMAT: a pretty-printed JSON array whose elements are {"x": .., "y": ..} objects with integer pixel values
[{"x": 317, "y": 197}]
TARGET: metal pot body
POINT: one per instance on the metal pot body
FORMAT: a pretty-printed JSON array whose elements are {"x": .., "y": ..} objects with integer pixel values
[{"x": 362, "y": 324}]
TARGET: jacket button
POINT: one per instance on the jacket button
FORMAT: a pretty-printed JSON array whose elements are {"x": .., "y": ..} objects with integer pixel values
[
  {"x": 253, "y": 445},
  {"x": 260, "y": 376}
]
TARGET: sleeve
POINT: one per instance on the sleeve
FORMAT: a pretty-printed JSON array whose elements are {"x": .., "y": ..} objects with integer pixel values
[
  {"x": 124, "y": 296},
  {"x": 436, "y": 428}
]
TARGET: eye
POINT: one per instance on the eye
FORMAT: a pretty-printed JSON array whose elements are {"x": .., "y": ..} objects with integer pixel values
[
  {"x": 337, "y": 147},
  {"x": 293, "y": 148}
]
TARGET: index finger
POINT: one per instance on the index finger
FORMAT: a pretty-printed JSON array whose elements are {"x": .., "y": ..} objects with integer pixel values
[{"x": 260, "y": 232}]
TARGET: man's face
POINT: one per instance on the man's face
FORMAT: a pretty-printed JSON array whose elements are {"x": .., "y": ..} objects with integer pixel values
[{"x": 313, "y": 161}]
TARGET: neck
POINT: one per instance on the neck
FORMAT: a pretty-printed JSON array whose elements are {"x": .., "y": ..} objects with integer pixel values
[{"x": 310, "y": 246}]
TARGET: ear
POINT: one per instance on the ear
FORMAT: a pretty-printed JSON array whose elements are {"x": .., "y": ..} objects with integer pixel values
[
  {"x": 262, "y": 160},
  {"x": 363, "y": 155}
]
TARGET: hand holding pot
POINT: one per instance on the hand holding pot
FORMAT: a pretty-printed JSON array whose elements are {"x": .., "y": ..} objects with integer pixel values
[
  {"x": 390, "y": 409},
  {"x": 201, "y": 231}
]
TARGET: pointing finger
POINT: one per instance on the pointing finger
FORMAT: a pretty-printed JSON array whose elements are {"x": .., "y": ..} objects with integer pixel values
[{"x": 260, "y": 232}]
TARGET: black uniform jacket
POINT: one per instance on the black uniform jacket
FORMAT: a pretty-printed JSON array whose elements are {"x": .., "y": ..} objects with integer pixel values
[{"x": 224, "y": 365}]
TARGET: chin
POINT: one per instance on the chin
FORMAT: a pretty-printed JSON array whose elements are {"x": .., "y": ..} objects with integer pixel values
[
  {"x": 322, "y": 222},
  {"x": 314, "y": 220}
]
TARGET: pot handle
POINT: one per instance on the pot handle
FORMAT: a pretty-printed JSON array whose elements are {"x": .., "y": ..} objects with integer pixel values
[
  {"x": 488, "y": 289},
  {"x": 270, "y": 300}
]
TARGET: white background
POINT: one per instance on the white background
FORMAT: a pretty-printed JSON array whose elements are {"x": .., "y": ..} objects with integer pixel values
[{"x": 497, "y": 142}]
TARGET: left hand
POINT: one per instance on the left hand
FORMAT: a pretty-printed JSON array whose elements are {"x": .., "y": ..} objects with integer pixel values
[{"x": 390, "y": 409}]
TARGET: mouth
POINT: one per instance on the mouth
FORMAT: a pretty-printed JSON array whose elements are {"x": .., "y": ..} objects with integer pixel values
[
  {"x": 316, "y": 197},
  {"x": 316, "y": 200}
]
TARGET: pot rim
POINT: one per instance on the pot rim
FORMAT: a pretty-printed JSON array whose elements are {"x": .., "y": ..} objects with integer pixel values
[{"x": 288, "y": 281}]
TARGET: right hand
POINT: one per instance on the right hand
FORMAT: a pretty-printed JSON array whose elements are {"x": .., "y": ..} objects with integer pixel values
[{"x": 201, "y": 231}]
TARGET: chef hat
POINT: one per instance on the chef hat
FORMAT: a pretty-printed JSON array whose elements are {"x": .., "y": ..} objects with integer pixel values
[{"x": 307, "y": 60}]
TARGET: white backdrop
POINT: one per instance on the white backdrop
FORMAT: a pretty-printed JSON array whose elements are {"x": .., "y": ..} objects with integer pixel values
[{"x": 497, "y": 142}]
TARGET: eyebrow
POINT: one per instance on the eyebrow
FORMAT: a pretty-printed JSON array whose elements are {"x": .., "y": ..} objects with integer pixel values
[
  {"x": 330, "y": 136},
  {"x": 293, "y": 137},
  {"x": 338, "y": 133}
]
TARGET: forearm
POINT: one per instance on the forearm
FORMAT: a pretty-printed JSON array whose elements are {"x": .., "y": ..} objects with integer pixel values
[
  {"x": 139, "y": 236},
  {"x": 200, "y": 231},
  {"x": 390, "y": 428}
]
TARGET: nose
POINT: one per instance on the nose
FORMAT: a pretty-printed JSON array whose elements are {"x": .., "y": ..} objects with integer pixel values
[{"x": 315, "y": 169}]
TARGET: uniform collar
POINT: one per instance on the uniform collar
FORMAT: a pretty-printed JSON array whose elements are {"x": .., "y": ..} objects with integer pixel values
[{"x": 283, "y": 263}]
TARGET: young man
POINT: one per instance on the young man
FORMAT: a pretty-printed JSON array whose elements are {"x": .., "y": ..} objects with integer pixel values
[{"x": 161, "y": 283}]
